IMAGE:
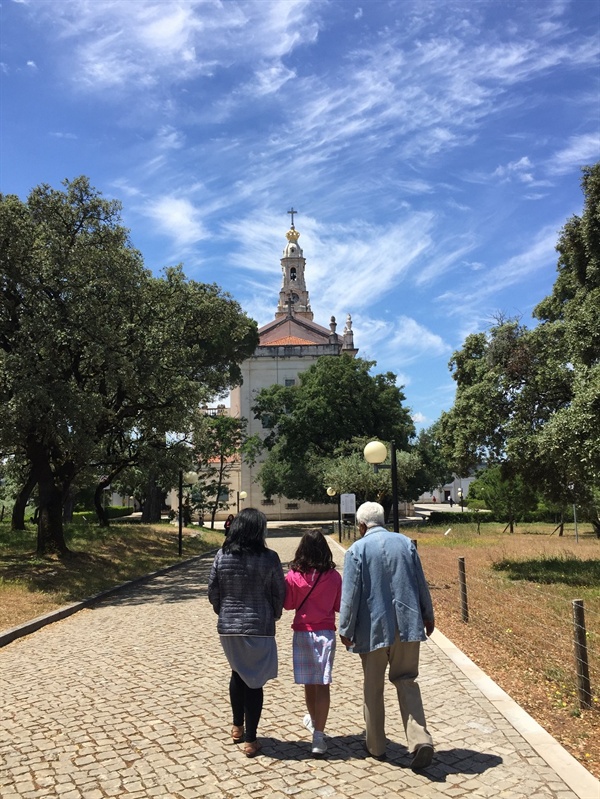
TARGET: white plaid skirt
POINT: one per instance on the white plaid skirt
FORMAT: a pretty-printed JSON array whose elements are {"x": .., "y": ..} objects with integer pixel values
[{"x": 313, "y": 657}]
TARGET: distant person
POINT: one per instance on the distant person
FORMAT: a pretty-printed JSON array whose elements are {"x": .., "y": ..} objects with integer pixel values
[
  {"x": 450, "y": 501},
  {"x": 434, "y": 499},
  {"x": 385, "y": 612},
  {"x": 314, "y": 591},
  {"x": 246, "y": 587},
  {"x": 228, "y": 521}
]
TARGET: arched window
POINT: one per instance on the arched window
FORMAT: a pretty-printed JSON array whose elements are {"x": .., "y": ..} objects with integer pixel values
[{"x": 293, "y": 273}]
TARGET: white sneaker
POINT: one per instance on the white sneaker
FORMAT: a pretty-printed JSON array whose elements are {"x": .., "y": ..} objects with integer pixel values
[
  {"x": 319, "y": 747},
  {"x": 308, "y": 723}
]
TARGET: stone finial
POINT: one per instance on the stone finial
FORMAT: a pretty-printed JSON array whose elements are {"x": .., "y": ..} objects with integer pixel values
[{"x": 332, "y": 324}]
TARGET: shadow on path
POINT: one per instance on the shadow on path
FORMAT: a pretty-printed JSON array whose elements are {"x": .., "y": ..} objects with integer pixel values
[{"x": 351, "y": 747}]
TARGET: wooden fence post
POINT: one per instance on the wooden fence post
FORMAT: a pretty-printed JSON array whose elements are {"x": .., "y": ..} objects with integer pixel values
[
  {"x": 581, "y": 656},
  {"x": 462, "y": 579}
]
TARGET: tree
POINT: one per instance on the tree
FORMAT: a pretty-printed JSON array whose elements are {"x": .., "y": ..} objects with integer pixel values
[
  {"x": 93, "y": 349},
  {"x": 433, "y": 469},
  {"x": 350, "y": 473},
  {"x": 530, "y": 399},
  {"x": 218, "y": 442},
  {"x": 336, "y": 400},
  {"x": 508, "y": 496}
]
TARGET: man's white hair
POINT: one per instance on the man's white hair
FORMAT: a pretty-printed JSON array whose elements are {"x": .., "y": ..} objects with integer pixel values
[{"x": 371, "y": 514}]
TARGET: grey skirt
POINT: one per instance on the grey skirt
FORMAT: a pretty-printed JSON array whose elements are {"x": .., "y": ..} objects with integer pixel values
[{"x": 254, "y": 657}]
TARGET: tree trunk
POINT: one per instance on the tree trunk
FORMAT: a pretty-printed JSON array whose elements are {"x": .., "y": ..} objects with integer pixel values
[
  {"x": 152, "y": 504},
  {"x": 50, "y": 537},
  {"x": 99, "y": 504},
  {"x": 68, "y": 506},
  {"x": 18, "y": 512}
]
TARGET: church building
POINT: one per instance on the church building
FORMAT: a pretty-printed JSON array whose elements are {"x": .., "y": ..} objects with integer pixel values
[{"x": 289, "y": 345}]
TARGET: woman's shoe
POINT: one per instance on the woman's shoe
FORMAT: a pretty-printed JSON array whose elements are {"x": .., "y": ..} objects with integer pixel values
[
  {"x": 237, "y": 734},
  {"x": 252, "y": 749}
]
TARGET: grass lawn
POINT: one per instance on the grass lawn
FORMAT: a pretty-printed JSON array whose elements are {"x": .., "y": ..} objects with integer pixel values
[{"x": 105, "y": 557}]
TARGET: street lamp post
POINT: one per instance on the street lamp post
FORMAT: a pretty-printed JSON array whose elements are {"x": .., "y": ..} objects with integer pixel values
[
  {"x": 375, "y": 452},
  {"x": 331, "y": 492},
  {"x": 191, "y": 478},
  {"x": 240, "y": 495}
]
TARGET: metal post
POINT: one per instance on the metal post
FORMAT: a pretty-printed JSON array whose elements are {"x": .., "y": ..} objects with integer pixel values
[
  {"x": 581, "y": 656},
  {"x": 575, "y": 520},
  {"x": 462, "y": 579},
  {"x": 394, "y": 487},
  {"x": 180, "y": 512},
  {"x": 340, "y": 517}
]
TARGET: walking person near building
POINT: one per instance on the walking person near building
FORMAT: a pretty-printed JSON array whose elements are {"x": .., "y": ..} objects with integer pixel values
[
  {"x": 246, "y": 587},
  {"x": 386, "y": 611}
]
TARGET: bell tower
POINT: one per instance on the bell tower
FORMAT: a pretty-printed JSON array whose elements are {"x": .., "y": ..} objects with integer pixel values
[{"x": 293, "y": 296}]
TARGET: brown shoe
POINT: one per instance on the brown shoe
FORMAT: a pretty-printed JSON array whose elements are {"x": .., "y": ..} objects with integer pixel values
[
  {"x": 252, "y": 749},
  {"x": 237, "y": 734}
]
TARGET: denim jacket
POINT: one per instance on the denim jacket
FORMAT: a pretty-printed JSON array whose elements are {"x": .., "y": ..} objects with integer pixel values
[{"x": 383, "y": 591}]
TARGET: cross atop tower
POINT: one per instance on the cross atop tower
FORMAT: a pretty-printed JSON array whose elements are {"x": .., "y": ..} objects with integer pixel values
[{"x": 292, "y": 212}]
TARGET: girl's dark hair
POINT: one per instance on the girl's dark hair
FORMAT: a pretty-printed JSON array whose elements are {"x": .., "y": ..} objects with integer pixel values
[
  {"x": 247, "y": 533},
  {"x": 313, "y": 553}
]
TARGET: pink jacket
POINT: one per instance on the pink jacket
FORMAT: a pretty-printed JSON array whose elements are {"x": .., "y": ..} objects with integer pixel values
[{"x": 318, "y": 612}]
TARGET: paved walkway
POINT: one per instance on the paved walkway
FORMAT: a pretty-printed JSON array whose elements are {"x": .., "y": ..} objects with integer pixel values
[{"x": 129, "y": 699}]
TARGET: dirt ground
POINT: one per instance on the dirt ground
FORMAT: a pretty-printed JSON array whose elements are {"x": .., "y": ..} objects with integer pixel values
[{"x": 521, "y": 634}]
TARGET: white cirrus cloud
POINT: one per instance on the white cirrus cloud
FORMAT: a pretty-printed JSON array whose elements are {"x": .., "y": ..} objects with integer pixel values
[
  {"x": 141, "y": 44},
  {"x": 177, "y": 218},
  {"x": 580, "y": 151}
]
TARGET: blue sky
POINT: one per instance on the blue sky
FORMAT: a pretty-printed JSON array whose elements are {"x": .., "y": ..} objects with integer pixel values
[{"x": 432, "y": 149}]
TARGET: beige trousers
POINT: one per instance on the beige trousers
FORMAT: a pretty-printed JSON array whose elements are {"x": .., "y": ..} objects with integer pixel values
[{"x": 403, "y": 660}]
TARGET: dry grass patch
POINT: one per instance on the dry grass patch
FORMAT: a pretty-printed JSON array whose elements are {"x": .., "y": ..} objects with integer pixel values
[
  {"x": 103, "y": 557},
  {"x": 520, "y": 631}
]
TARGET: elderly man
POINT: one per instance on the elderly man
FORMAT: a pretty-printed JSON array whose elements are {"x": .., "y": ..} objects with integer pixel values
[{"x": 386, "y": 609}]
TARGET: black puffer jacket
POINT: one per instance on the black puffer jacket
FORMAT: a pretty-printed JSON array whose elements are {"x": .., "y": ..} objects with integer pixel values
[{"x": 247, "y": 591}]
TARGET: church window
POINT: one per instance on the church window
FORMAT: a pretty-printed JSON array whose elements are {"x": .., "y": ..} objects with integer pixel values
[
  {"x": 293, "y": 273},
  {"x": 290, "y": 382},
  {"x": 268, "y": 502},
  {"x": 291, "y": 506}
]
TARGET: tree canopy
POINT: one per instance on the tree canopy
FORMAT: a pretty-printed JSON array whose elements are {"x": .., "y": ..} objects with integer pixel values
[
  {"x": 530, "y": 398},
  {"x": 335, "y": 401},
  {"x": 98, "y": 356}
]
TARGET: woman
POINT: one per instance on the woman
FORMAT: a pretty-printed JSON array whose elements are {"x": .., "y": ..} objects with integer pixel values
[
  {"x": 246, "y": 587},
  {"x": 228, "y": 521}
]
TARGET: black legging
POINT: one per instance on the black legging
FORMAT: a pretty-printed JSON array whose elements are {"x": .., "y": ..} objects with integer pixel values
[{"x": 247, "y": 704}]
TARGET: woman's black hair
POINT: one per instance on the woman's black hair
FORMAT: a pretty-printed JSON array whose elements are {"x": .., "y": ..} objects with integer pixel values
[
  {"x": 313, "y": 553},
  {"x": 247, "y": 533}
]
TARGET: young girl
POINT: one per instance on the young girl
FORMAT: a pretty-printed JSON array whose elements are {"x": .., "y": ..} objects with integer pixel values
[{"x": 313, "y": 590}]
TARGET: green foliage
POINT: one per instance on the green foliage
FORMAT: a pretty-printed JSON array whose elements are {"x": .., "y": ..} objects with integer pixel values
[
  {"x": 509, "y": 496},
  {"x": 336, "y": 401},
  {"x": 98, "y": 359},
  {"x": 530, "y": 399},
  {"x": 218, "y": 441}
]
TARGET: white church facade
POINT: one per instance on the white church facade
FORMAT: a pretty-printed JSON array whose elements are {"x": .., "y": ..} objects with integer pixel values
[{"x": 289, "y": 345}]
